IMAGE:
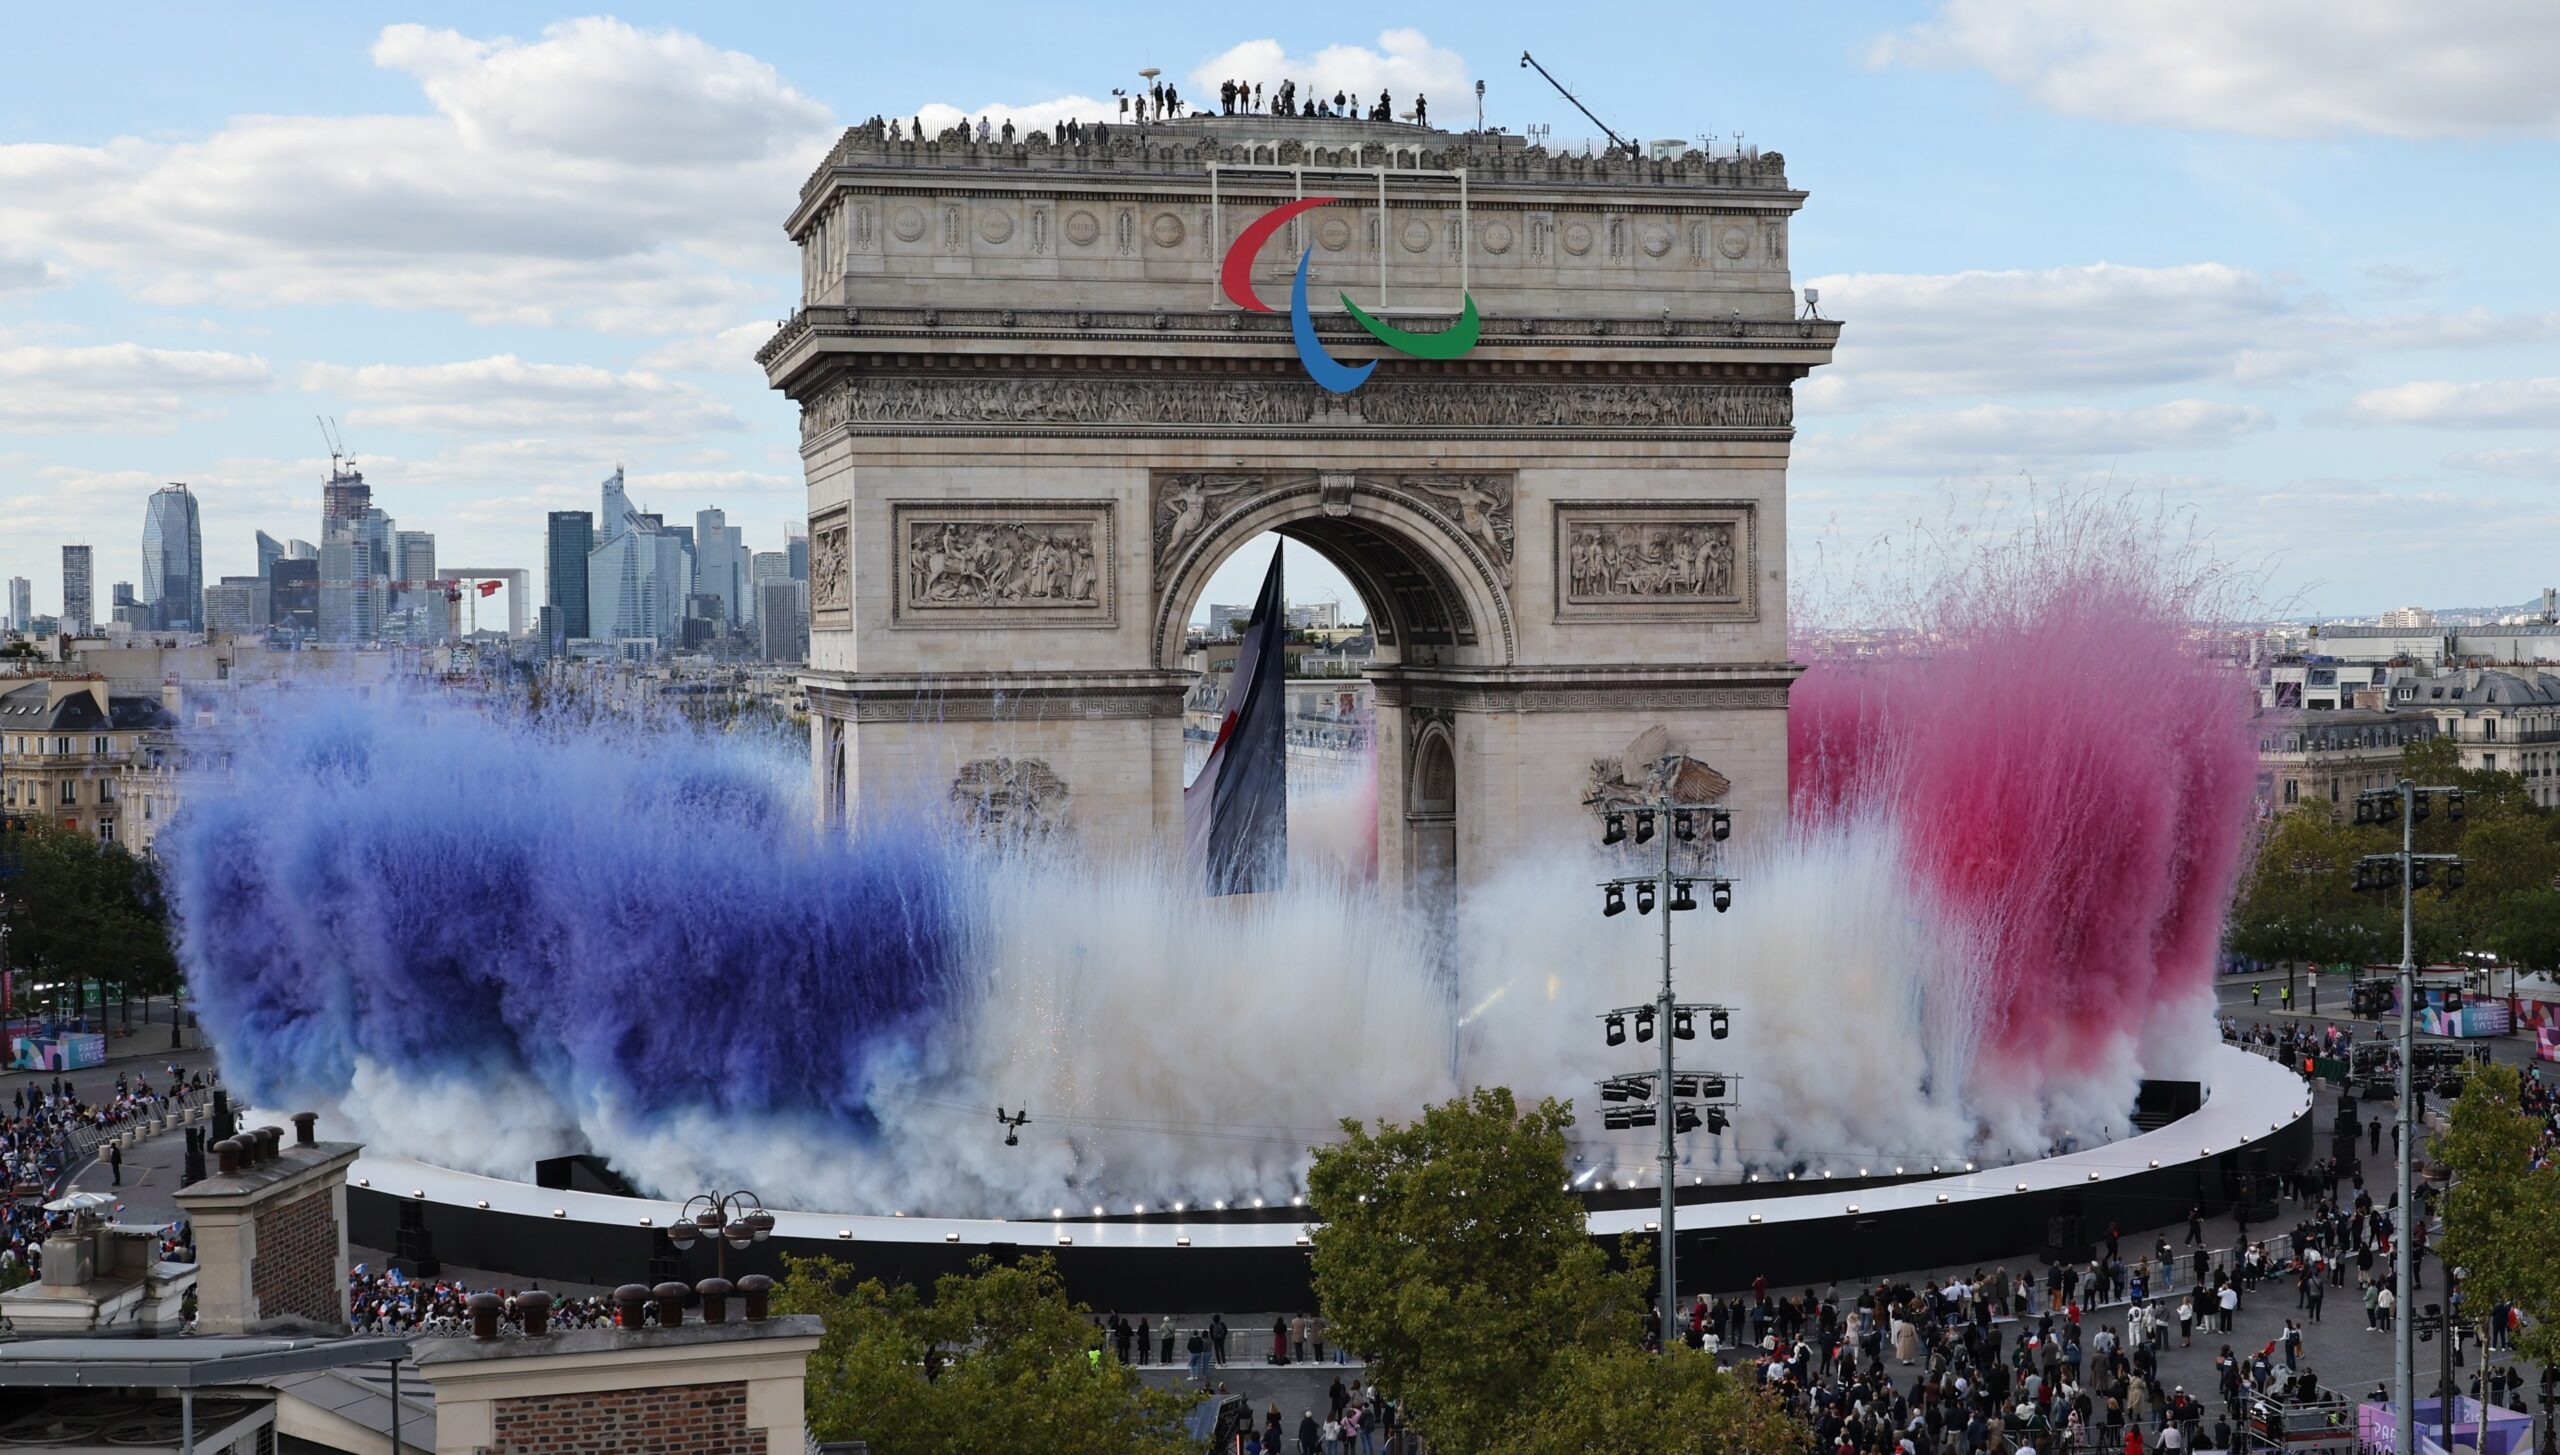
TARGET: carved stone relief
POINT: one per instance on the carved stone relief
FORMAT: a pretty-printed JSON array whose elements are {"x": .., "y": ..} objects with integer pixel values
[
  {"x": 830, "y": 564},
  {"x": 995, "y": 225},
  {"x": 1653, "y": 767},
  {"x": 983, "y": 563},
  {"x": 908, "y": 224},
  {"x": 1092, "y": 403},
  {"x": 1083, "y": 228},
  {"x": 1012, "y": 800},
  {"x": 1677, "y": 560},
  {"x": 1186, "y": 506},
  {"x": 1478, "y": 506}
]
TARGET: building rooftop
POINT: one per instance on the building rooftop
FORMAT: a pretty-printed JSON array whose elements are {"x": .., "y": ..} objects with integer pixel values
[
  {"x": 612, "y": 1340},
  {"x": 193, "y": 1363}
]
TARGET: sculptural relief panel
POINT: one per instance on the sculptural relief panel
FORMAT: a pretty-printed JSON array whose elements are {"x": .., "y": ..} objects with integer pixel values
[
  {"x": 1630, "y": 560},
  {"x": 831, "y": 567},
  {"x": 1018, "y": 563}
]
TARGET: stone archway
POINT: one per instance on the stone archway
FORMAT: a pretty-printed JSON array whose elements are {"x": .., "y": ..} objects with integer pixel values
[
  {"x": 1431, "y": 554},
  {"x": 1033, "y": 421},
  {"x": 1436, "y": 593}
]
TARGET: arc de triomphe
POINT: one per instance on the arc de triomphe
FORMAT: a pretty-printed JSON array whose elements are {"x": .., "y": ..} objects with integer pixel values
[{"x": 1033, "y": 425}]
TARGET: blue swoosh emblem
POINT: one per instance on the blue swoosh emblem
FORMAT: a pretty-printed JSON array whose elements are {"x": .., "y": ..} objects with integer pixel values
[{"x": 1336, "y": 378}]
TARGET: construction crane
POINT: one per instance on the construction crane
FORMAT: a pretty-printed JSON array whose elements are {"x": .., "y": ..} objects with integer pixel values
[
  {"x": 329, "y": 436},
  {"x": 1616, "y": 142}
]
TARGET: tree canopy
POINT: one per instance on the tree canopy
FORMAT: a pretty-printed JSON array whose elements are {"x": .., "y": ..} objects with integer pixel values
[
  {"x": 1000, "y": 1359},
  {"x": 79, "y": 909},
  {"x": 2298, "y": 902},
  {"x": 1450, "y": 1252},
  {"x": 2501, "y": 1214}
]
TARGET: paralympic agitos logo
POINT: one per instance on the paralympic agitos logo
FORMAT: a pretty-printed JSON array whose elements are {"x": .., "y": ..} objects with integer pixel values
[{"x": 1235, "y": 276}]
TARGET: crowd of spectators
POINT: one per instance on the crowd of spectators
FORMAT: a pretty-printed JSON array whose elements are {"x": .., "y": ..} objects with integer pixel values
[{"x": 390, "y": 1302}]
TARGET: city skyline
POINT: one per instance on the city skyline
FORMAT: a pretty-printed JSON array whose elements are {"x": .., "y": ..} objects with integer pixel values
[{"x": 2097, "y": 263}]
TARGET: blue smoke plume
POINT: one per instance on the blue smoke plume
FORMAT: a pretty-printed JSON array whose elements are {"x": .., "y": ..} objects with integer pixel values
[{"x": 624, "y": 915}]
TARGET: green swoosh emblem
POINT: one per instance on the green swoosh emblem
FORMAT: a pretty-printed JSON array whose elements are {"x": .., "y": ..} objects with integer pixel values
[{"x": 1449, "y": 343}]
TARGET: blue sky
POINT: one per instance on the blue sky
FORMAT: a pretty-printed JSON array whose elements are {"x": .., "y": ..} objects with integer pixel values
[{"x": 2284, "y": 264}]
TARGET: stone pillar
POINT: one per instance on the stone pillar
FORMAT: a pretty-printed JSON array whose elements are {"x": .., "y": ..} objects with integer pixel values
[{"x": 271, "y": 1237}]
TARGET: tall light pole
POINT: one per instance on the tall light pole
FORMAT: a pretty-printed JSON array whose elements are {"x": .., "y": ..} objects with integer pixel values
[
  {"x": 2409, "y": 871},
  {"x": 1675, "y": 822}
]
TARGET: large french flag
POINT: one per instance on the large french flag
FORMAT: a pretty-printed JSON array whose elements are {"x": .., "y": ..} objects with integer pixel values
[{"x": 1236, "y": 813}]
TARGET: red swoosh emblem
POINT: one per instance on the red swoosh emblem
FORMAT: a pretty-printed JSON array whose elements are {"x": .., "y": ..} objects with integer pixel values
[{"x": 1235, "y": 275}]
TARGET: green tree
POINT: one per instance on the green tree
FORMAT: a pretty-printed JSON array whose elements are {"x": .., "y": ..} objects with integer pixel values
[
  {"x": 1629, "y": 1402},
  {"x": 2527, "y": 932},
  {"x": 999, "y": 1360},
  {"x": 2298, "y": 902},
  {"x": 1450, "y": 1252},
  {"x": 79, "y": 909},
  {"x": 2501, "y": 1216}
]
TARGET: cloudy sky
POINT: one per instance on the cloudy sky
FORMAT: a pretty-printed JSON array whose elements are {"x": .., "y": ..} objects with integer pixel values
[{"x": 2285, "y": 263}]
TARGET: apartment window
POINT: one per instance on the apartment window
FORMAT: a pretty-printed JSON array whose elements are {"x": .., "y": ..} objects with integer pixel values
[
  {"x": 70, "y": 791},
  {"x": 62, "y": 746},
  {"x": 106, "y": 831},
  {"x": 2489, "y": 729},
  {"x": 106, "y": 790},
  {"x": 2489, "y": 761},
  {"x": 2292, "y": 790},
  {"x": 99, "y": 745}
]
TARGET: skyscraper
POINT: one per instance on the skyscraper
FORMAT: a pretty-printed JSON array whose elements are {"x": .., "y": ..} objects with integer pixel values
[
  {"x": 797, "y": 544},
  {"x": 22, "y": 608},
  {"x": 413, "y": 555},
  {"x": 173, "y": 559},
  {"x": 270, "y": 551},
  {"x": 782, "y": 613},
  {"x": 79, "y": 591},
  {"x": 615, "y": 516},
  {"x": 570, "y": 540},
  {"x": 293, "y": 594},
  {"x": 299, "y": 549}
]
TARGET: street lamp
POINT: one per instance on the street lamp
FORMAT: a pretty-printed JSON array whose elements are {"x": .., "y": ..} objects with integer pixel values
[
  {"x": 1681, "y": 823},
  {"x": 2408, "y": 804},
  {"x": 728, "y": 1219}
]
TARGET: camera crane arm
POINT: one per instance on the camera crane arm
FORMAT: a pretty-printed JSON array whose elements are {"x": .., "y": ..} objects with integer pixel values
[{"x": 1616, "y": 142}]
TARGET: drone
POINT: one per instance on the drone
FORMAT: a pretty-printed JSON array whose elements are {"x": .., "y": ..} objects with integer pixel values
[{"x": 1013, "y": 1125}]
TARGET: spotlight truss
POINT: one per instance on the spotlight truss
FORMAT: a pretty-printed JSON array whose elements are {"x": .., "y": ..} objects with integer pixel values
[
  {"x": 2380, "y": 874},
  {"x": 1682, "y": 888}
]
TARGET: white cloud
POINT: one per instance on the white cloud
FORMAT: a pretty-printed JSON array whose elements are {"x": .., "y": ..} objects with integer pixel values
[
  {"x": 123, "y": 388},
  {"x": 730, "y": 351},
  {"x": 2444, "y": 404},
  {"x": 2281, "y": 68},
  {"x": 504, "y": 394},
  {"x": 2001, "y": 438},
  {"x": 22, "y": 274},
  {"x": 2105, "y": 326},
  {"x": 2523, "y": 464},
  {"x": 1404, "y": 64},
  {"x": 603, "y": 174}
]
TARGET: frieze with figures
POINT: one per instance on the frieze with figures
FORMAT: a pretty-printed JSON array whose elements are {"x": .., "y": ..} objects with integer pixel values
[
  {"x": 830, "y": 564},
  {"x": 1083, "y": 405},
  {"x": 1680, "y": 559},
  {"x": 1030, "y": 563}
]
